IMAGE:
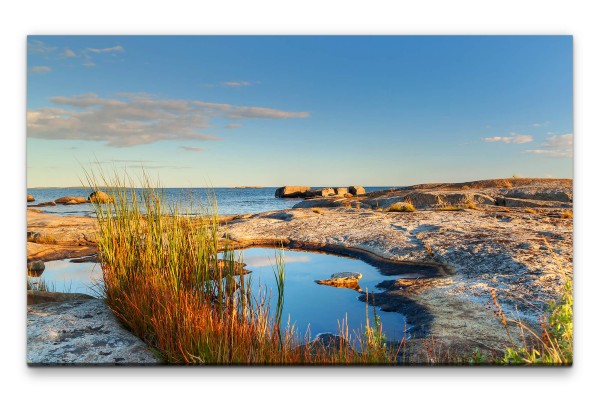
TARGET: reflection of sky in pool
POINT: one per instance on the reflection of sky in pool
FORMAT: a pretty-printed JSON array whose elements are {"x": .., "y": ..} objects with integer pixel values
[
  {"x": 62, "y": 276},
  {"x": 306, "y": 303},
  {"x": 320, "y": 306}
]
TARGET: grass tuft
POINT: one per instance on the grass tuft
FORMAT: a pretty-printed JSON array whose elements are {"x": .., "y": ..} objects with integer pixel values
[
  {"x": 567, "y": 215},
  {"x": 402, "y": 207},
  {"x": 162, "y": 278}
]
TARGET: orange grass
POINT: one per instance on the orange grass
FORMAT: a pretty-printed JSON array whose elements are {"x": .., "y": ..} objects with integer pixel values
[{"x": 162, "y": 278}]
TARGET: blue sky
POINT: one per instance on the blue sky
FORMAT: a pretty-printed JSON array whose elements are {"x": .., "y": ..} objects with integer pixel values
[{"x": 320, "y": 110}]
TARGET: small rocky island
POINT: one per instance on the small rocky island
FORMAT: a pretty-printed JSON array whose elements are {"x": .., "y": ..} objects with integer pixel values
[{"x": 462, "y": 241}]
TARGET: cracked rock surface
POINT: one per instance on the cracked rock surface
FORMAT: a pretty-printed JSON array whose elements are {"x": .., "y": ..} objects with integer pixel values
[{"x": 82, "y": 332}]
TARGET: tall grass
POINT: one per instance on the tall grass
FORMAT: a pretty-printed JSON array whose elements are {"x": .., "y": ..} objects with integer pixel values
[{"x": 163, "y": 279}]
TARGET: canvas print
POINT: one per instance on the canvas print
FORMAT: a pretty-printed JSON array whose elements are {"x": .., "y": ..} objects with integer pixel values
[{"x": 299, "y": 200}]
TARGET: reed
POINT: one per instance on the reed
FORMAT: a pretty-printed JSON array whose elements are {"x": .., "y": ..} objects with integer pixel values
[{"x": 164, "y": 279}]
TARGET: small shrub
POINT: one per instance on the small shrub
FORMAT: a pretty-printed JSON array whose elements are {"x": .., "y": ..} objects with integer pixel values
[
  {"x": 531, "y": 211},
  {"x": 567, "y": 215},
  {"x": 449, "y": 208},
  {"x": 402, "y": 207},
  {"x": 44, "y": 239},
  {"x": 471, "y": 205},
  {"x": 317, "y": 211}
]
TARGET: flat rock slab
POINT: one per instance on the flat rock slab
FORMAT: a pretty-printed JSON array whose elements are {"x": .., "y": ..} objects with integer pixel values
[{"x": 83, "y": 332}]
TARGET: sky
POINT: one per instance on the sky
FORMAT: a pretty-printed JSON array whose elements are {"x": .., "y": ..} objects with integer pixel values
[{"x": 222, "y": 111}]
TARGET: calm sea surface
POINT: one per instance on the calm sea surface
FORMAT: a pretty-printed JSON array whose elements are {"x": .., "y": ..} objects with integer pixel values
[{"x": 230, "y": 200}]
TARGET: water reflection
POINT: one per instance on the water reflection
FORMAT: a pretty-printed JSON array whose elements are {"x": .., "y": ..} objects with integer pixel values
[{"x": 307, "y": 305}]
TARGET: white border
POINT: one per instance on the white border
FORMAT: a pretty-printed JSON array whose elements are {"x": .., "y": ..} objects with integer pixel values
[{"x": 299, "y": 17}]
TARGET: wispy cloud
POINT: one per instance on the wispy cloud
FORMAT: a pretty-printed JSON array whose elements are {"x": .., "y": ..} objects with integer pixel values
[
  {"x": 558, "y": 146},
  {"x": 106, "y": 49},
  {"x": 136, "y": 119},
  {"x": 41, "y": 69},
  {"x": 239, "y": 112},
  {"x": 513, "y": 137},
  {"x": 233, "y": 126},
  {"x": 237, "y": 84},
  {"x": 192, "y": 148},
  {"x": 543, "y": 124},
  {"x": 39, "y": 47},
  {"x": 69, "y": 53}
]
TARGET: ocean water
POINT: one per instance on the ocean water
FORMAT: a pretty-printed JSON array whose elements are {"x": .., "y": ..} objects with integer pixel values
[{"x": 229, "y": 200}]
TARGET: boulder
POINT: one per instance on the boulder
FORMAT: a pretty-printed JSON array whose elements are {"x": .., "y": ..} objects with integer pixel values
[
  {"x": 30, "y": 198},
  {"x": 341, "y": 191},
  {"x": 35, "y": 268},
  {"x": 100, "y": 197},
  {"x": 291, "y": 192},
  {"x": 356, "y": 190},
  {"x": 70, "y": 200},
  {"x": 343, "y": 280},
  {"x": 321, "y": 192},
  {"x": 51, "y": 203}
]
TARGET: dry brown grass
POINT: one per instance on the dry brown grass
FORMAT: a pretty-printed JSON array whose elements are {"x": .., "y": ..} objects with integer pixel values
[
  {"x": 44, "y": 239},
  {"x": 403, "y": 207},
  {"x": 567, "y": 215}
]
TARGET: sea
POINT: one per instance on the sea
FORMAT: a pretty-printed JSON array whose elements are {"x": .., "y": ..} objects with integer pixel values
[{"x": 230, "y": 201}]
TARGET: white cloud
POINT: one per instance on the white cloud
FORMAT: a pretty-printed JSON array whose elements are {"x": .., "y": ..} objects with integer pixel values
[
  {"x": 513, "y": 137},
  {"x": 237, "y": 84},
  {"x": 41, "y": 69},
  {"x": 232, "y": 126},
  {"x": 107, "y": 49},
  {"x": 192, "y": 148},
  {"x": 135, "y": 119},
  {"x": 556, "y": 146},
  {"x": 69, "y": 53}
]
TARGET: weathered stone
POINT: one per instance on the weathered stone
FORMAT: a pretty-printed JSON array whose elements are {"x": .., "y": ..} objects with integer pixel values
[
  {"x": 39, "y": 297},
  {"x": 539, "y": 193},
  {"x": 43, "y": 204},
  {"x": 343, "y": 280},
  {"x": 279, "y": 216},
  {"x": 341, "y": 191},
  {"x": 71, "y": 200},
  {"x": 82, "y": 332},
  {"x": 35, "y": 268},
  {"x": 319, "y": 202},
  {"x": 322, "y": 192},
  {"x": 291, "y": 192},
  {"x": 356, "y": 190},
  {"x": 100, "y": 197},
  {"x": 30, "y": 198},
  {"x": 433, "y": 199},
  {"x": 514, "y": 202}
]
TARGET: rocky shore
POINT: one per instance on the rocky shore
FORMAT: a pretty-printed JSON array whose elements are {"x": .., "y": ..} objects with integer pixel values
[{"x": 463, "y": 240}]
